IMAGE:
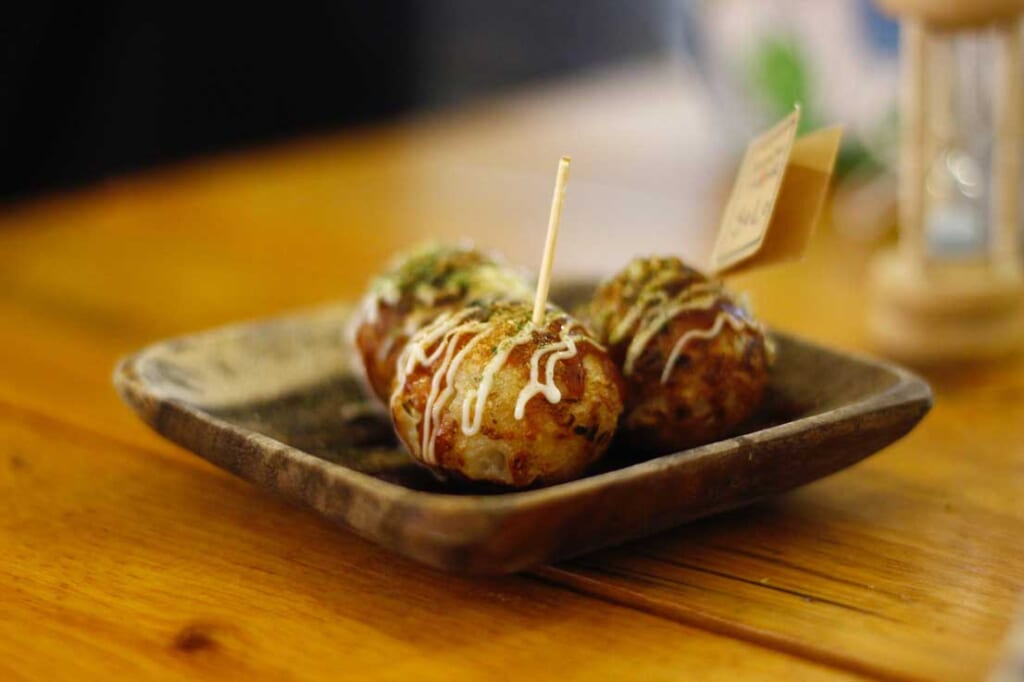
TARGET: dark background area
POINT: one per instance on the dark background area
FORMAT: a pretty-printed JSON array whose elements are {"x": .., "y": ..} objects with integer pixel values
[{"x": 96, "y": 89}]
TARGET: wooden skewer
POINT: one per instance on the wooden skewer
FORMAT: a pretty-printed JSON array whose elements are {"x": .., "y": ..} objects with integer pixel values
[{"x": 544, "y": 278}]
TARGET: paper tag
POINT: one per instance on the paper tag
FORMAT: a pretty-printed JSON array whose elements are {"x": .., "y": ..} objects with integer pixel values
[{"x": 775, "y": 203}]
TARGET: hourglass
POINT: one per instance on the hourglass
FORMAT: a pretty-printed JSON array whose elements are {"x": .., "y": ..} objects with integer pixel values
[{"x": 953, "y": 287}]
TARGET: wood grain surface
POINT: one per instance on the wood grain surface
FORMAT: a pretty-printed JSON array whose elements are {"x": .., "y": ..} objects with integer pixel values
[{"x": 125, "y": 556}]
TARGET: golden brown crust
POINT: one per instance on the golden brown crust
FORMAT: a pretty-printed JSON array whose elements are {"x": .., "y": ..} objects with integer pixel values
[
  {"x": 685, "y": 385},
  {"x": 613, "y": 300},
  {"x": 550, "y": 442},
  {"x": 413, "y": 293},
  {"x": 379, "y": 343},
  {"x": 715, "y": 385}
]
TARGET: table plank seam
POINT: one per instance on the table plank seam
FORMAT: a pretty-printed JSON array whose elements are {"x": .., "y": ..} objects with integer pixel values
[
  {"x": 796, "y": 593},
  {"x": 767, "y": 558},
  {"x": 692, "y": 617}
]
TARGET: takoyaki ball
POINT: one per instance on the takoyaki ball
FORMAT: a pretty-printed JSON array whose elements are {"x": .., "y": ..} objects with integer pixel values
[
  {"x": 694, "y": 360},
  {"x": 482, "y": 394},
  {"x": 413, "y": 292}
]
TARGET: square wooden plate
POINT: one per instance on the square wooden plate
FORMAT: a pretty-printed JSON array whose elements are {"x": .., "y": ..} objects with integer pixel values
[{"x": 276, "y": 403}]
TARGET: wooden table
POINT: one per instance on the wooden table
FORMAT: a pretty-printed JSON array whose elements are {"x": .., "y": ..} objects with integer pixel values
[{"x": 125, "y": 557}]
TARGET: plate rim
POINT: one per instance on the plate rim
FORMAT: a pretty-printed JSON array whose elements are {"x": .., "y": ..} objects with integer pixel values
[{"x": 908, "y": 388}]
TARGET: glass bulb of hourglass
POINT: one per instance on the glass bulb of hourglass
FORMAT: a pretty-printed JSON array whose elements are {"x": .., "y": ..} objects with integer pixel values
[
  {"x": 956, "y": 219},
  {"x": 957, "y": 183}
]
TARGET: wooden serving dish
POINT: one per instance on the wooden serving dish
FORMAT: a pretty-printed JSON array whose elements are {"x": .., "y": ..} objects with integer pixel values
[{"x": 277, "y": 403}]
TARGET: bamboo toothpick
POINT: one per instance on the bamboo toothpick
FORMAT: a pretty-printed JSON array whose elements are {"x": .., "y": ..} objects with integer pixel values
[{"x": 544, "y": 278}]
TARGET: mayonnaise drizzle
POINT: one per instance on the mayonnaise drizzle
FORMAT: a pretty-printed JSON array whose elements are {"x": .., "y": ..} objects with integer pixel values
[
  {"x": 564, "y": 349},
  {"x": 490, "y": 281},
  {"x": 412, "y": 323},
  {"x": 656, "y": 311},
  {"x": 475, "y": 402},
  {"x": 448, "y": 331},
  {"x": 654, "y": 296},
  {"x": 720, "y": 320},
  {"x": 384, "y": 290},
  {"x": 438, "y": 398},
  {"x": 653, "y": 310},
  {"x": 415, "y": 352}
]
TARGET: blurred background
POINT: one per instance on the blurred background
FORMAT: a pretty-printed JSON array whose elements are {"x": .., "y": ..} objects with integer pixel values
[
  {"x": 95, "y": 93},
  {"x": 97, "y": 90}
]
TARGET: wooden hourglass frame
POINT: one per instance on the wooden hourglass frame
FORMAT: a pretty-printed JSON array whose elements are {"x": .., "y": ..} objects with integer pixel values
[{"x": 926, "y": 308}]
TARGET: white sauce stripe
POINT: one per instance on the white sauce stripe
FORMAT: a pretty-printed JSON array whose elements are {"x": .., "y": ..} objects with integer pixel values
[
  {"x": 693, "y": 334},
  {"x": 547, "y": 388},
  {"x": 437, "y": 401},
  {"x": 448, "y": 331},
  {"x": 655, "y": 319},
  {"x": 415, "y": 352},
  {"x": 476, "y": 401},
  {"x": 653, "y": 310}
]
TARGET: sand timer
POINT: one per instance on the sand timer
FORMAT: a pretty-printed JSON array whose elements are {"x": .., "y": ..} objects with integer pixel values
[{"x": 953, "y": 288}]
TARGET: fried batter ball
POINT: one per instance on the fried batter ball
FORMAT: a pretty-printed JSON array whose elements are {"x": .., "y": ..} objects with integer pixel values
[
  {"x": 482, "y": 394},
  {"x": 694, "y": 360},
  {"x": 418, "y": 288}
]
